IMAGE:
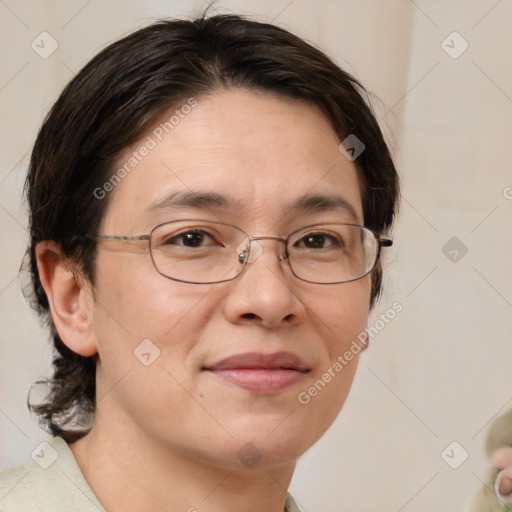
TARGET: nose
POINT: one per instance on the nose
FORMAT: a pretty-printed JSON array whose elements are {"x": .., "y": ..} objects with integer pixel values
[{"x": 264, "y": 292}]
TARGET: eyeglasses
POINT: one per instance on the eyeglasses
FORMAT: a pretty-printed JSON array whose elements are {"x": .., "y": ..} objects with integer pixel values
[{"x": 206, "y": 252}]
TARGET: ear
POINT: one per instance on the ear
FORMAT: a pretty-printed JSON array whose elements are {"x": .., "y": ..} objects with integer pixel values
[{"x": 71, "y": 302}]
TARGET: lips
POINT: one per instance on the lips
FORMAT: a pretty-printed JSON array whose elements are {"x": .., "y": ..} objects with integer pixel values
[
  {"x": 263, "y": 374},
  {"x": 255, "y": 360}
]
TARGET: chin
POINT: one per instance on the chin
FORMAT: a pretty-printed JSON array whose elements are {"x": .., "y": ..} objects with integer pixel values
[
  {"x": 270, "y": 447},
  {"x": 266, "y": 455}
]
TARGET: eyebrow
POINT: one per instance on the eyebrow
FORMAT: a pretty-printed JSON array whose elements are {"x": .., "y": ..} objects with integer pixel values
[
  {"x": 205, "y": 200},
  {"x": 322, "y": 203}
]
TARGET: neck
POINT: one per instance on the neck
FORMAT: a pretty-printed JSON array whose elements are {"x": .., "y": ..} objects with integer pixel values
[{"x": 130, "y": 471}]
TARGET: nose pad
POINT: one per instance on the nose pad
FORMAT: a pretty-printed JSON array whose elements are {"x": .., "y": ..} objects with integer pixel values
[
  {"x": 243, "y": 251},
  {"x": 255, "y": 252}
]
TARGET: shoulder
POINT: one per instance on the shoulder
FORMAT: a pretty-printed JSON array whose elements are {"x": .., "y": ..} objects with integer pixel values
[
  {"x": 52, "y": 482},
  {"x": 15, "y": 490}
]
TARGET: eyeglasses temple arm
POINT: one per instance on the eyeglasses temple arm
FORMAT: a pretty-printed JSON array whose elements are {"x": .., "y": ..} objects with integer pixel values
[{"x": 385, "y": 241}]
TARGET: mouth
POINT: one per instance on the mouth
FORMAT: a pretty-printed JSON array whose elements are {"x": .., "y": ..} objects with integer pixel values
[{"x": 262, "y": 374}]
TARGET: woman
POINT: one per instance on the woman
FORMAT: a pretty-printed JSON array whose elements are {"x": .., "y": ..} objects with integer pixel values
[{"x": 208, "y": 202}]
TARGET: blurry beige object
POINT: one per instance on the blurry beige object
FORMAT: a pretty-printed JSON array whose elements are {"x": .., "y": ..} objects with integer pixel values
[
  {"x": 485, "y": 499},
  {"x": 503, "y": 486}
]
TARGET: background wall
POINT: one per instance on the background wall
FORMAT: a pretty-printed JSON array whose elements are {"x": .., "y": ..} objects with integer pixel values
[{"x": 437, "y": 373}]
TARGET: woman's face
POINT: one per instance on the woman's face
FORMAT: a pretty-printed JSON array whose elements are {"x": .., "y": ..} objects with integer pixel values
[{"x": 159, "y": 339}]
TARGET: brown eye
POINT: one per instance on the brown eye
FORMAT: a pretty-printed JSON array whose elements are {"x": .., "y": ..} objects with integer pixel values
[
  {"x": 318, "y": 240},
  {"x": 193, "y": 238}
]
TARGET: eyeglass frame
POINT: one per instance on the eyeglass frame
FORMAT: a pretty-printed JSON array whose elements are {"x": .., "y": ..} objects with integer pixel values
[{"x": 382, "y": 241}]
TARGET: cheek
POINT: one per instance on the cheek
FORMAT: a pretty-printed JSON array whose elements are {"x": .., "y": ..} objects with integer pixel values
[
  {"x": 142, "y": 317},
  {"x": 342, "y": 314},
  {"x": 137, "y": 312},
  {"x": 145, "y": 325},
  {"x": 136, "y": 300}
]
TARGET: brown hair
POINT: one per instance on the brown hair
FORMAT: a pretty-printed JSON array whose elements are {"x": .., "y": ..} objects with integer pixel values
[{"x": 119, "y": 95}]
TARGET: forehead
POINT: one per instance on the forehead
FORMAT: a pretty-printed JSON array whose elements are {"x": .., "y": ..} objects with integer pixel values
[{"x": 259, "y": 154}]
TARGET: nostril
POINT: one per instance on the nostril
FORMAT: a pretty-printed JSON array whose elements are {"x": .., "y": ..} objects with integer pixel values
[{"x": 249, "y": 315}]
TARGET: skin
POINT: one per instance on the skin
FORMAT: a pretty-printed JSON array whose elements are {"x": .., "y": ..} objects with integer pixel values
[{"x": 170, "y": 429}]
